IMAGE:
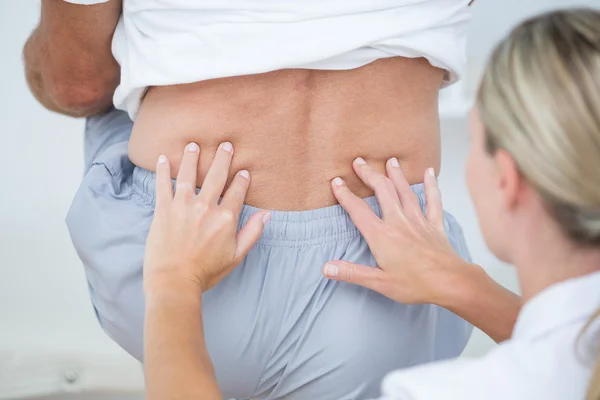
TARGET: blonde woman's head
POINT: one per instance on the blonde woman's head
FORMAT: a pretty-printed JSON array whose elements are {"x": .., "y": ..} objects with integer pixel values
[
  {"x": 535, "y": 156},
  {"x": 534, "y": 164}
]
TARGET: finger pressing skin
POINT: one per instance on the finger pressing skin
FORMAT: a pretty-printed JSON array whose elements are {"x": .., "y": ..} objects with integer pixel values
[
  {"x": 164, "y": 187},
  {"x": 362, "y": 275},
  {"x": 233, "y": 198},
  {"x": 250, "y": 233},
  {"x": 188, "y": 170},
  {"x": 216, "y": 178},
  {"x": 435, "y": 210},
  {"x": 408, "y": 198},
  {"x": 361, "y": 214},
  {"x": 383, "y": 187}
]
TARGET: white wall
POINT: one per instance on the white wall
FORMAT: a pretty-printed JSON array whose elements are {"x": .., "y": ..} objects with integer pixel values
[
  {"x": 48, "y": 333},
  {"x": 493, "y": 19},
  {"x": 47, "y": 326}
]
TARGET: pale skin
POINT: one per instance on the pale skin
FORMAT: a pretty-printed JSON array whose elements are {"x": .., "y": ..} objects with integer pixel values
[
  {"x": 416, "y": 264},
  {"x": 405, "y": 237},
  {"x": 177, "y": 273},
  {"x": 180, "y": 265}
]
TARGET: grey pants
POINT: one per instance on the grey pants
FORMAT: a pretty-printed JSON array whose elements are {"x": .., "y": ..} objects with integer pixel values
[{"x": 275, "y": 327}]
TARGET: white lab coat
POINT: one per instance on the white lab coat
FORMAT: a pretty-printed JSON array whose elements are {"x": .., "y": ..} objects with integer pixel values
[{"x": 545, "y": 359}]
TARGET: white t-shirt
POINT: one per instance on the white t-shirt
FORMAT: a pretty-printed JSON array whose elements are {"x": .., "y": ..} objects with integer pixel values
[
  {"x": 545, "y": 359},
  {"x": 166, "y": 42}
]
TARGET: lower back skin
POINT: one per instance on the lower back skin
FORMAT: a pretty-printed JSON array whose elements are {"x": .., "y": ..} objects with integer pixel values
[{"x": 295, "y": 130}]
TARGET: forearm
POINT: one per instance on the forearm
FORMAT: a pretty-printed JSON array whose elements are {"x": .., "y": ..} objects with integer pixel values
[
  {"x": 477, "y": 298},
  {"x": 68, "y": 60},
  {"x": 177, "y": 364}
]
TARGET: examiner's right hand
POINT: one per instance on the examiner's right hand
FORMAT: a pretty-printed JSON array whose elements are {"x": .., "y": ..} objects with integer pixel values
[{"x": 416, "y": 263}]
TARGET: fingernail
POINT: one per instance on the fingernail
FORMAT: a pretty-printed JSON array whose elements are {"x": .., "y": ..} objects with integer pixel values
[
  {"x": 431, "y": 172},
  {"x": 162, "y": 159},
  {"x": 338, "y": 181},
  {"x": 360, "y": 161},
  {"x": 192, "y": 147},
  {"x": 266, "y": 218},
  {"x": 245, "y": 174},
  {"x": 394, "y": 162},
  {"x": 331, "y": 270},
  {"x": 227, "y": 147}
]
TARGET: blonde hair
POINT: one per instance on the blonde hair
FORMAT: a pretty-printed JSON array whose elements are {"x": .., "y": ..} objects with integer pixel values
[
  {"x": 594, "y": 389},
  {"x": 539, "y": 101}
]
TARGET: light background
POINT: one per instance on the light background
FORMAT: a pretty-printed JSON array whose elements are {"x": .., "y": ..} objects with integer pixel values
[{"x": 50, "y": 341}]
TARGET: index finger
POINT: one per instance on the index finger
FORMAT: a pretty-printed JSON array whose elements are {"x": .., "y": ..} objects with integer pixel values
[{"x": 361, "y": 214}]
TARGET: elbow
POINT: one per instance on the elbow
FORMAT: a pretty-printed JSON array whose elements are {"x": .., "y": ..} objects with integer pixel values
[
  {"x": 83, "y": 99},
  {"x": 78, "y": 88}
]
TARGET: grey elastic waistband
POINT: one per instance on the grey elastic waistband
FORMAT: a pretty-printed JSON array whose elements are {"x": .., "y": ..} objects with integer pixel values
[{"x": 287, "y": 228}]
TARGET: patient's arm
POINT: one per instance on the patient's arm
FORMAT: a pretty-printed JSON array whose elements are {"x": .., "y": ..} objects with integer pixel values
[{"x": 68, "y": 60}]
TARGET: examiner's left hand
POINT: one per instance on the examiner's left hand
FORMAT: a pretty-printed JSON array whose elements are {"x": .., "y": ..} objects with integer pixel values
[
  {"x": 415, "y": 261},
  {"x": 193, "y": 237}
]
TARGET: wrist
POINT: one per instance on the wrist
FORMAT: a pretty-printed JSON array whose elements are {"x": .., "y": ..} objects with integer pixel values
[
  {"x": 168, "y": 287},
  {"x": 459, "y": 284}
]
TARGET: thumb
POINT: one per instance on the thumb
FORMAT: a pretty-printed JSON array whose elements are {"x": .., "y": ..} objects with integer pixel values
[
  {"x": 362, "y": 275},
  {"x": 250, "y": 233}
]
